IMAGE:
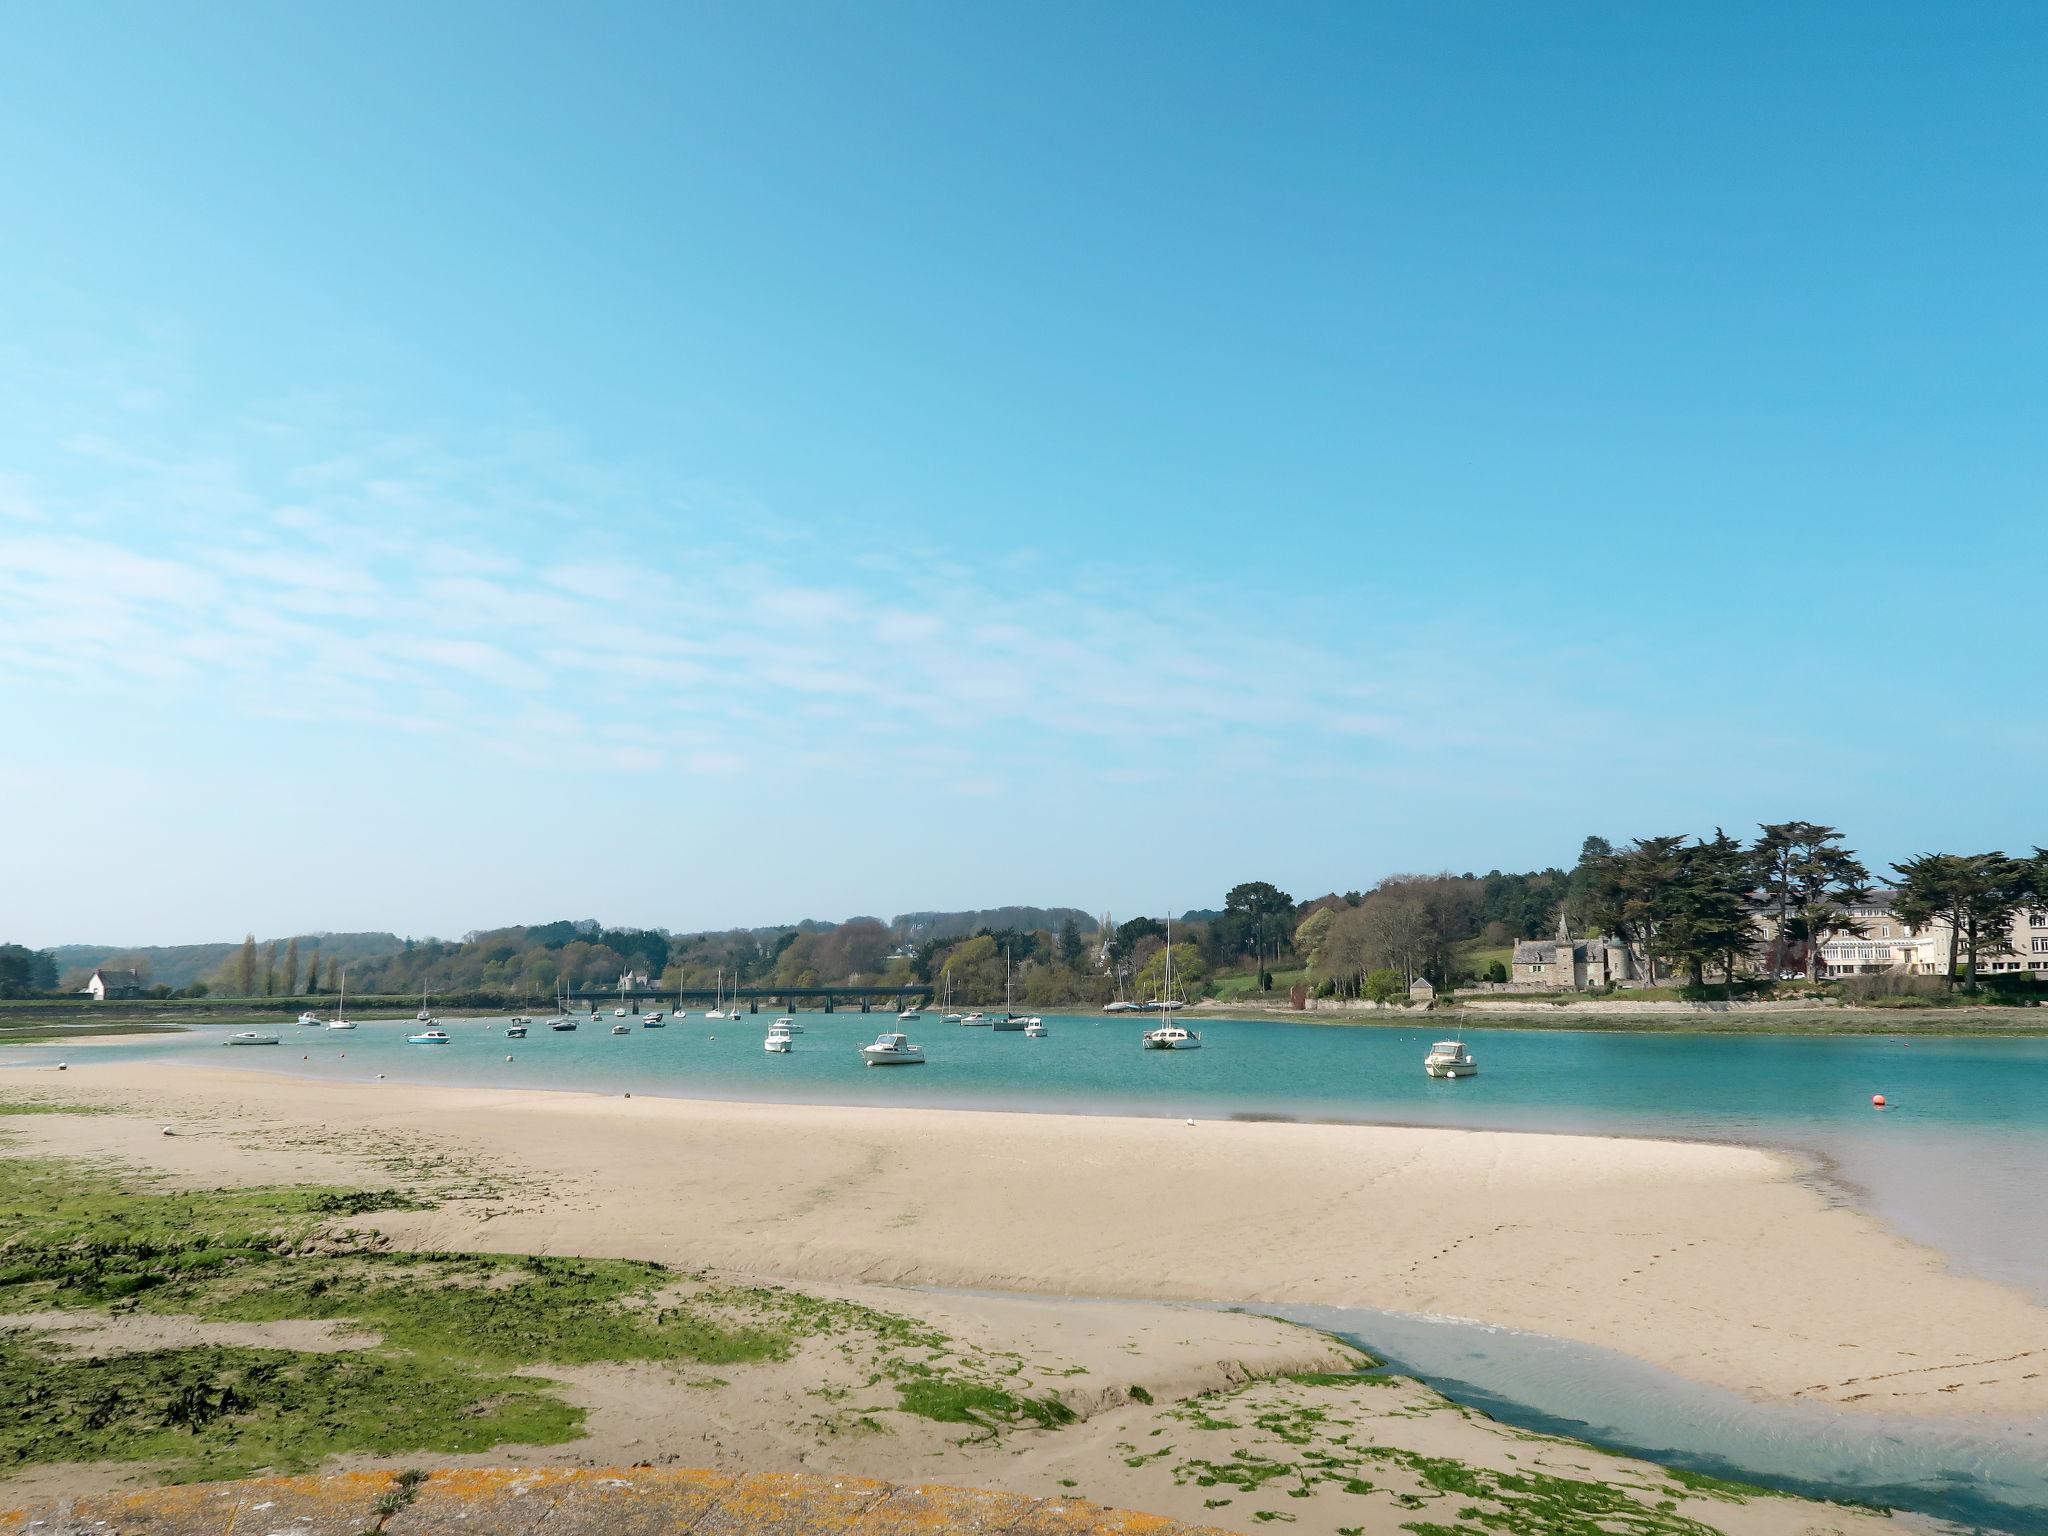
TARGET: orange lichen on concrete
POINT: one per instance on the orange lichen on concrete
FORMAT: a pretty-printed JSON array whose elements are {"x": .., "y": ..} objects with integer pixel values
[{"x": 582, "y": 1501}]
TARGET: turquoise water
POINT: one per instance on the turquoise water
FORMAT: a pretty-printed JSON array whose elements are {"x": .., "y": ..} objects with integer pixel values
[{"x": 1955, "y": 1161}]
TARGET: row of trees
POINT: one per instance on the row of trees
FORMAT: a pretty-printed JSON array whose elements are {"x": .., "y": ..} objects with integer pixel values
[
  {"x": 1713, "y": 903},
  {"x": 26, "y": 972}
]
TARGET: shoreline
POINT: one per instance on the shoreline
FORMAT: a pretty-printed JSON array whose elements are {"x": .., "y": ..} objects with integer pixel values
[
  {"x": 1530, "y": 1013},
  {"x": 1711, "y": 1260}
]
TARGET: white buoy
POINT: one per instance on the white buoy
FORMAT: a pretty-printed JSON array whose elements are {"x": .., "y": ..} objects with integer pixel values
[
  {"x": 1191, "y": 1122},
  {"x": 169, "y": 1132},
  {"x": 380, "y": 1077},
  {"x": 508, "y": 1058},
  {"x": 63, "y": 1065}
]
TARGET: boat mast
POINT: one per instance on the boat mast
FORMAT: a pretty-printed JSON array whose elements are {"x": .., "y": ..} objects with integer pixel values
[{"x": 1166, "y": 996}]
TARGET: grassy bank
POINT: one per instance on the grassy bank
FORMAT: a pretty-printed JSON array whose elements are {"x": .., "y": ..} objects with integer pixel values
[{"x": 2014, "y": 1022}]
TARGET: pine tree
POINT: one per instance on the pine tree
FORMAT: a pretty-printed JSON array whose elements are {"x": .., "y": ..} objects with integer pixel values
[
  {"x": 243, "y": 975},
  {"x": 1809, "y": 880},
  {"x": 1974, "y": 893},
  {"x": 1706, "y": 916},
  {"x": 291, "y": 968}
]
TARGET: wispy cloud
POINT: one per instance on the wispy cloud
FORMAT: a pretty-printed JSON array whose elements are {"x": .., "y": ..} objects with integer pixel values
[{"x": 485, "y": 596}]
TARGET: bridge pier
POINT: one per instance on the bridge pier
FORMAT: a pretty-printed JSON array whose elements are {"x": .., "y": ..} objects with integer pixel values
[
  {"x": 828, "y": 1002},
  {"x": 753, "y": 1005},
  {"x": 864, "y": 1005}
]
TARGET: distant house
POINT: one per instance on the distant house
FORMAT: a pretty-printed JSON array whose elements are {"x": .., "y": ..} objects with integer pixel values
[
  {"x": 1565, "y": 964},
  {"x": 105, "y": 984},
  {"x": 1421, "y": 991}
]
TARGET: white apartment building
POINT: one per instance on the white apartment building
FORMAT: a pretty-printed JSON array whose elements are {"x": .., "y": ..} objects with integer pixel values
[{"x": 1888, "y": 943}]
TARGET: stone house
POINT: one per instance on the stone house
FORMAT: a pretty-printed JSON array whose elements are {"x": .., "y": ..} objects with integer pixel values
[{"x": 1565, "y": 964}]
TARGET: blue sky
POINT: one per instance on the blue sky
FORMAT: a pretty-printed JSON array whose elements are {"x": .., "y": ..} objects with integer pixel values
[{"x": 702, "y": 465}]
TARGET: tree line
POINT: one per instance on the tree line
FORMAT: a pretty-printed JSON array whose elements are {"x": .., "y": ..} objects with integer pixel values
[{"x": 1684, "y": 906}]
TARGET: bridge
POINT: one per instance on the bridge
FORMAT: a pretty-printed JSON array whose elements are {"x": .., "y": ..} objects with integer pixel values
[{"x": 783, "y": 999}]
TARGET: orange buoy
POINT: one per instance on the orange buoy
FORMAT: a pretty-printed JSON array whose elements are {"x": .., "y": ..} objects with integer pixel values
[{"x": 1877, "y": 1099}]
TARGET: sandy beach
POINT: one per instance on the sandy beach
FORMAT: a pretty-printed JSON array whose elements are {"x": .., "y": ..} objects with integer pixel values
[{"x": 1723, "y": 1264}]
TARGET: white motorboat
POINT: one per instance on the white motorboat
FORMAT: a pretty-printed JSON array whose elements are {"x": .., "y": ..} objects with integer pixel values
[
  {"x": 953, "y": 1018},
  {"x": 250, "y": 1037},
  {"x": 908, "y": 1016},
  {"x": 974, "y": 1021},
  {"x": 1035, "y": 1030},
  {"x": 515, "y": 1031},
  {"x": 310, "y": 1018},
  {"x": 893, "y": 1050},
  {"x": 618, "y": 1013},
  {"x": 428, "y": 1037},
  {"x": 621, "y": 1029},
  {"x": 562, "y": 1025},
  {"x": 1449, "y": 1058},
  {"x": 651, "y": 1021},
  {"x": 779, "y": 1039},
  {"x": 786, "y": 1024}
]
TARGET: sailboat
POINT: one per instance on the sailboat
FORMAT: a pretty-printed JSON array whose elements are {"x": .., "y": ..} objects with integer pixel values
[
  {"x": 1011, "y": 1023},
  {"x": 341, "y": 1020},
  {"x": 561, "y": 1023},
  {"x": 423, "y": 1016},
  {"x": 718, "y": 1010},
  {"x": 1170, "y": 1036}
]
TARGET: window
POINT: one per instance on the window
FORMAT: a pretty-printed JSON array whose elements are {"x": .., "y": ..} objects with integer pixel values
[{"x": 2040, "y": 945}]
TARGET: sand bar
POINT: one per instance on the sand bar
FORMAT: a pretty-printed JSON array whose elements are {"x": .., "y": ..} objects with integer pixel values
[{"x": 1720, "y": 1263}]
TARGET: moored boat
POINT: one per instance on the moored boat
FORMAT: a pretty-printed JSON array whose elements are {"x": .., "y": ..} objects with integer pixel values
[
  {"x": 428, "y": 1037},
  {"x": 1172, "y": 1037},
  {"x": 1035, "y": 1029},
  {"x": 893, "y": 1050},
  {"x": 515, "y": 1031},
  {"x": 1449, "y": 1058},
  {"x": 1169, "y": 1036},
  {"x": 341, "y": 1020},
  {"x": 250, "y": 1037},
  {"x": 309, "y": 1017}
]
